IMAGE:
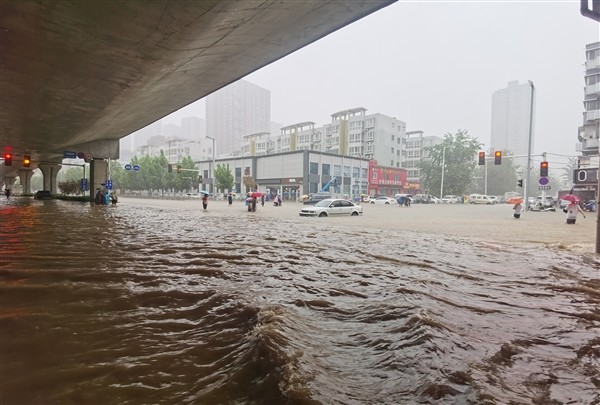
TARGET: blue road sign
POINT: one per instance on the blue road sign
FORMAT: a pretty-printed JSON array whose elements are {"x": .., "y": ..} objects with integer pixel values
[
  {"x": 108, "y": 184},
  {"x": 69, "y": 154},
  {"x": 136, "y": 167},
  {"x": 127, "y": 166},
  {"x": 84, "y": 185},
  {"x": 543, "y": 181}
]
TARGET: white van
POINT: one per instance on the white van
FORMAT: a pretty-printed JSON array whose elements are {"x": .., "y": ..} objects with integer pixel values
[{"x": 480, "y": 199}]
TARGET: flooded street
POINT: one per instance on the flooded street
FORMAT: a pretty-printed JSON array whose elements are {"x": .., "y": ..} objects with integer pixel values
[{"x": 158, "y": 302}]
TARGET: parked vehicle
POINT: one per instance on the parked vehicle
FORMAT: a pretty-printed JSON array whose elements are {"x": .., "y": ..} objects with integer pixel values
[
  {"x": 422, "y": 199},
  {"x": 589, "y": 206},
  {"x": 315, "y": 198},
  {"x": 332, "y": 206},
  {"x": 480, "y": 199},
  {"x": 383, "y": 200},
  {"x": 549, "y": 202},
  {"x": 450, "y": 199},
  {"x": 43, "y": 195}
]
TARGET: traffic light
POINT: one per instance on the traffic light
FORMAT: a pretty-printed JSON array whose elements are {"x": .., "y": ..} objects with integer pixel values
[
  {"x": 7, "y": 158},
  {"x": 520, "y": 182},
  {"x": 481, "y": 158},
  {"x": 544, "y": 169},
  {"x": 498, "y": 157},
  {"x": 178, "y": 168},
  {"x": 170, "y": 168},
  {"x": 26, "y": 160}
]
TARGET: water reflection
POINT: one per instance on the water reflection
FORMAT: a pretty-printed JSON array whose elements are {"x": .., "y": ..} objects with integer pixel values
[{"x": 158, "y": 305}]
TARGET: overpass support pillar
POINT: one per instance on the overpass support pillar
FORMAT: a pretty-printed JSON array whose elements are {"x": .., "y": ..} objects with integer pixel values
[
  {"x": 25, "y": 176},
  {"x": 9, "y": 181},
  {"x": 50, "y": 172},
  {"x": 98, "y": 175}
]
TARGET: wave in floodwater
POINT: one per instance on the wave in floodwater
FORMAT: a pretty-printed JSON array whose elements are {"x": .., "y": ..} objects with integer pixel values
[{"x": 137, "y": 305}]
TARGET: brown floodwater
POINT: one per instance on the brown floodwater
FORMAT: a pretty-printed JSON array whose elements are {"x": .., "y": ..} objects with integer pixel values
[{"x": 141, "y": 304}]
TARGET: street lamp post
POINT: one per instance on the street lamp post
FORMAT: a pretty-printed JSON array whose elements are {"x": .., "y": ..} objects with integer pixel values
[
  {"x": 212, "y": 168},
  {"x": 443, "y": 169},
  {"x": 528, "y": 178}
]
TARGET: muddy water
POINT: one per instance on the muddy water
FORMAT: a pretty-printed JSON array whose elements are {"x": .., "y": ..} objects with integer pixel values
[{"x": 137, "y": 305}]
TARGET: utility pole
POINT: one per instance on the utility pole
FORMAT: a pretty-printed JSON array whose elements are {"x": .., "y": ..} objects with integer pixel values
[
  {"x": 443, "y": 167},
  {"x": 528, "y": 178}
]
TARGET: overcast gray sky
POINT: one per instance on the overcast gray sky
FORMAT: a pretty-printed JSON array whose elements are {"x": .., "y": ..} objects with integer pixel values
[{"x": 435, "y": 66}]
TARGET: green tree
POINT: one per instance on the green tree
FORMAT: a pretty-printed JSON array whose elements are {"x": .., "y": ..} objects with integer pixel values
[
  {"x": 566, "y": 177},
  {"x": 70, "y": 187},
  {"x": 224, "y": 177},
  {"x": 73, "y": 173},
  {"x": 457, "y": 152}
]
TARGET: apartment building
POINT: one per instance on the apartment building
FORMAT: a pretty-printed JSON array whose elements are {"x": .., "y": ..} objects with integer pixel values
[
  {"x": 416, "y": 151},
  {"x": 586, "y": 176},
  {"x": 351, "y": 132}
]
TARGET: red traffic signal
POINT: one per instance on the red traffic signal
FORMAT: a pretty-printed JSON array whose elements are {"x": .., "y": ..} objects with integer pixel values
[
  {"x": 7, "y": 158},
  {"x": 544, "y": 169},
  {"x": 481, "y": 158},
  {"x": 498, "y": 157}
]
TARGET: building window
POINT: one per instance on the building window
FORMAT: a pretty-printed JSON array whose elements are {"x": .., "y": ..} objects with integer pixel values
[
  {"x": 374, "y": 175},
  {"x": 337, "y": 170},
  {"x": 314, "y": 168},
  {"x": 326, "y": 169}
]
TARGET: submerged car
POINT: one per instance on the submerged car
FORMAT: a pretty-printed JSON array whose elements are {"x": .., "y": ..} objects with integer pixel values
[
  {"x": 383, "y": 200},
  {"x": 42, "y": 195},
  {"x": 332, "y": 206}
]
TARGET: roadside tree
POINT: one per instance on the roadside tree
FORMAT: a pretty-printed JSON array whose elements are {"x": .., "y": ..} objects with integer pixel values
[
  {"x": 457, "y": 153},
  {"x": 224, "y": 177}
]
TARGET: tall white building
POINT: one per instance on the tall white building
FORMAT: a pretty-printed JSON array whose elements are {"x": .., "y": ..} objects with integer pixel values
[
  {"x": 511, "y": 117},
  {"x": 586, "y": 176},
  {"x": 237, "y": 110}
]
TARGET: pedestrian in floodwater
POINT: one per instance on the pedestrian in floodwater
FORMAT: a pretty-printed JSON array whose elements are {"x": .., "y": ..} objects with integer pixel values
[
  {"x": 204, "y": 201},
  {"x": 99, "y": 198},
  {"x": 517, "y": 208},
  {"x": 572, "y": 210},
  {"x": 7, "y": 193},
  {"x": 230, "y": 198}
]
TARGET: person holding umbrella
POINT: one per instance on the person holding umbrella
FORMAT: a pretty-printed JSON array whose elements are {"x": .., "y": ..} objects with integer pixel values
[{"x": 572, "y": 210}]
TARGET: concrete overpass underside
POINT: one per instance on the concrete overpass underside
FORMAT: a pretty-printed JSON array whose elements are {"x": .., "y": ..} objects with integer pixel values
[{"x": 83, "y": 74}]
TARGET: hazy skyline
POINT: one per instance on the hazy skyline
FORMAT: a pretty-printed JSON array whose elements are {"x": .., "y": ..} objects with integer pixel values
[{"x": 435, "y": 66}]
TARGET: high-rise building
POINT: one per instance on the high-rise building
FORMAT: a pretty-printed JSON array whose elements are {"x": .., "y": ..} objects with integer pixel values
[
  {"x": 237, "y": 110},
  {"x": 586, "y": 176},
  {"x": 511, "y": 118}
]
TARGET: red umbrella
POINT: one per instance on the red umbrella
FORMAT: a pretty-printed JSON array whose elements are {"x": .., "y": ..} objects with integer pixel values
[
  {"x": 570, "y": 197},
  {"x": 256, "y": 194}
]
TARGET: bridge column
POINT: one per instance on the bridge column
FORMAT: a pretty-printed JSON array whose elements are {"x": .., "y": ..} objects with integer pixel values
[
  {"x": 25, "y": 176},
  {"x": 9, "y": 181},
  {"x": 50, "y": 171},
  {"x": 98, "y": 175}
]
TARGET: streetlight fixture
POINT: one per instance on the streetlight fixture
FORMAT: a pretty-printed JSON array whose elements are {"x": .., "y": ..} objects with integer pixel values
[{"x": 212, "y": 168}]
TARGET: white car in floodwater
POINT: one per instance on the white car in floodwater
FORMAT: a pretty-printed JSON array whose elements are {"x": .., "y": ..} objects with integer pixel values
[{"x": 325, "y": 208}]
